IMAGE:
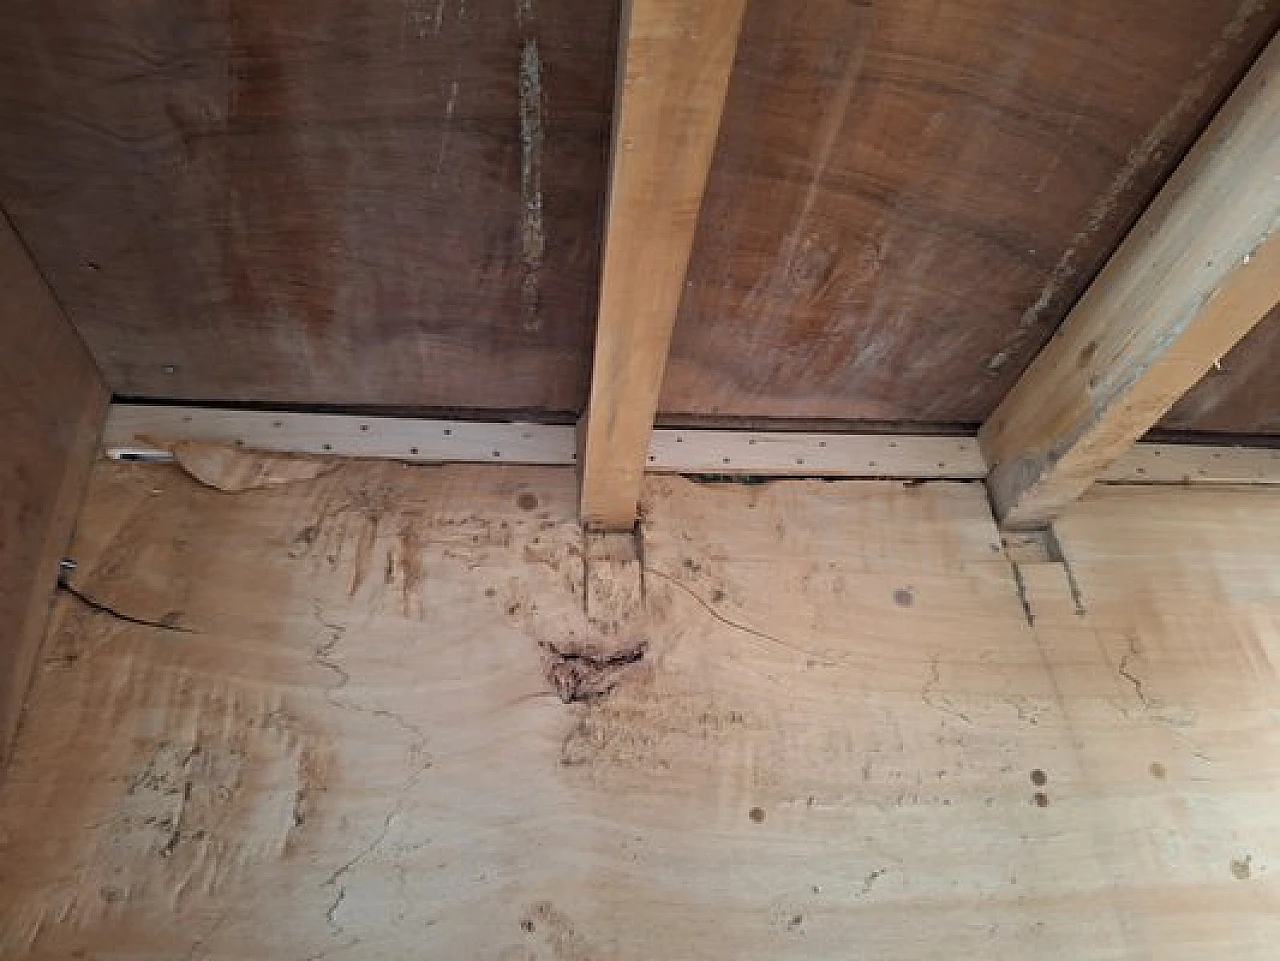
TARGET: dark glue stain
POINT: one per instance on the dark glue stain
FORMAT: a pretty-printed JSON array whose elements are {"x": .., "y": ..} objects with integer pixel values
[
  {"x": 1158, "y": 771},
  {"x": 756, "y": 814},
  {"x": 1039, "y": 778},
  {"x": 903, "y": 597},
  {"x": 1041, "y": 799},
  {"x": 1242, "y": 868},
  {"x": 527, "y": 502}
]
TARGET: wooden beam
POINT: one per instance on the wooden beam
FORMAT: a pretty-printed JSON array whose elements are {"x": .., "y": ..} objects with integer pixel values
[
  {"x": 675, "y": 57},
  {"x": 1199, "y": 269}
]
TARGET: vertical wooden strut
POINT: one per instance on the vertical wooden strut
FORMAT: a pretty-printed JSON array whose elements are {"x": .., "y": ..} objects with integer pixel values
[
  {"x": 1197, "y": 272},
  {"x": 675, "y": 57}
]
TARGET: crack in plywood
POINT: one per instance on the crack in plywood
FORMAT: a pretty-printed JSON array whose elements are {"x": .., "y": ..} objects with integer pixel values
[{"x": 323, "y": 656}]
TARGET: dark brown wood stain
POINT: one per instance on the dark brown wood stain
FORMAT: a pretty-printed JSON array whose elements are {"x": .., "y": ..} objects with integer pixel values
[
  {"x": 314, "y": 202},
  {"x": 908, "y": 197},
  {"x": 1242, "y": 394}
]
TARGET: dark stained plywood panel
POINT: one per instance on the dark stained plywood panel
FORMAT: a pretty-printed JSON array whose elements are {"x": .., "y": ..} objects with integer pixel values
[
  {"x": 908, "y": 196},
  {"x": 52, "y": 405},
  {"x": 311, "y": 201},
  {"x": 1241, "y": 396}
]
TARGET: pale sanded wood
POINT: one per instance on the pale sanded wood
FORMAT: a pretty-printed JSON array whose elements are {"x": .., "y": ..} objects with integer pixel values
[
  {"x": 675, "y": 57},
  {"x": 1195, "y": 464},
  {"x": 832, "y": 747},
  {"x": 52, "y": 404},
  {"x": 1197, "y": 272},
  {"x": 146, "y": 427},
  {"x": 150, "y": 431},
  {"x": 832, "y": 455}
]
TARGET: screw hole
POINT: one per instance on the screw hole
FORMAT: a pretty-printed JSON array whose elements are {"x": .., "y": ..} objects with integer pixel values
[
  {"x": 327, "y": 446},
  {"x": 413, "y": 450}
]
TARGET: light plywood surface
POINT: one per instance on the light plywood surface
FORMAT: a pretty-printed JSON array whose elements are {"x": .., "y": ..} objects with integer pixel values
[{"x": 829, "y": 745}]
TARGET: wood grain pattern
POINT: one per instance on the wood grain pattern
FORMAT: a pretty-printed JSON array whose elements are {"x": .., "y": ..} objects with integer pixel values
[
  {"x": 1241, "y": 394},
  {"x": 675, "y": 58},
  {"x": 844, "y": 738},
  {"x": 1199, "y": 270},
  {"x": 909, "y": 196},
  {"x": 317, "y": 201},
  {"x": 52, "y": 404}
]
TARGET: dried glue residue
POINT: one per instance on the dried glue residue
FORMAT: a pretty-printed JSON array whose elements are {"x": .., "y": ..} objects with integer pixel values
[{"x": 532, "y": 236}]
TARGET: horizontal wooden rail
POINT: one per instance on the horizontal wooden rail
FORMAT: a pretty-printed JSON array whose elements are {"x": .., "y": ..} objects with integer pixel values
[{"x": 142, "y": 430}]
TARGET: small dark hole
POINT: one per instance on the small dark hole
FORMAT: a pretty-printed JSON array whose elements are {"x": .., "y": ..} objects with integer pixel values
[
  {"x": 527, "y": 926},
  {"x": 447, "y": 432},
  {"x": 277, "y": 423},
  {"x": 1041, "y": 799},
  {"x": 364, "y": 426},
  {"x": 413, "y": 450},
  {"x": 328, "y": 446},
  {"x": 756, "y": 814},
  {"x": 1039, "y": 778}
]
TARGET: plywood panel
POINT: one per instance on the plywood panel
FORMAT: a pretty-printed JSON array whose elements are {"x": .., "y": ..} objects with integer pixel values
[
  {"x": 908, "y": 196},
  {"x": 1242, "y": 394},
  {"x": 843, "y": 737},
  {"x": 52, "y": 405},
  {"x": 320, "y": 201}
]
